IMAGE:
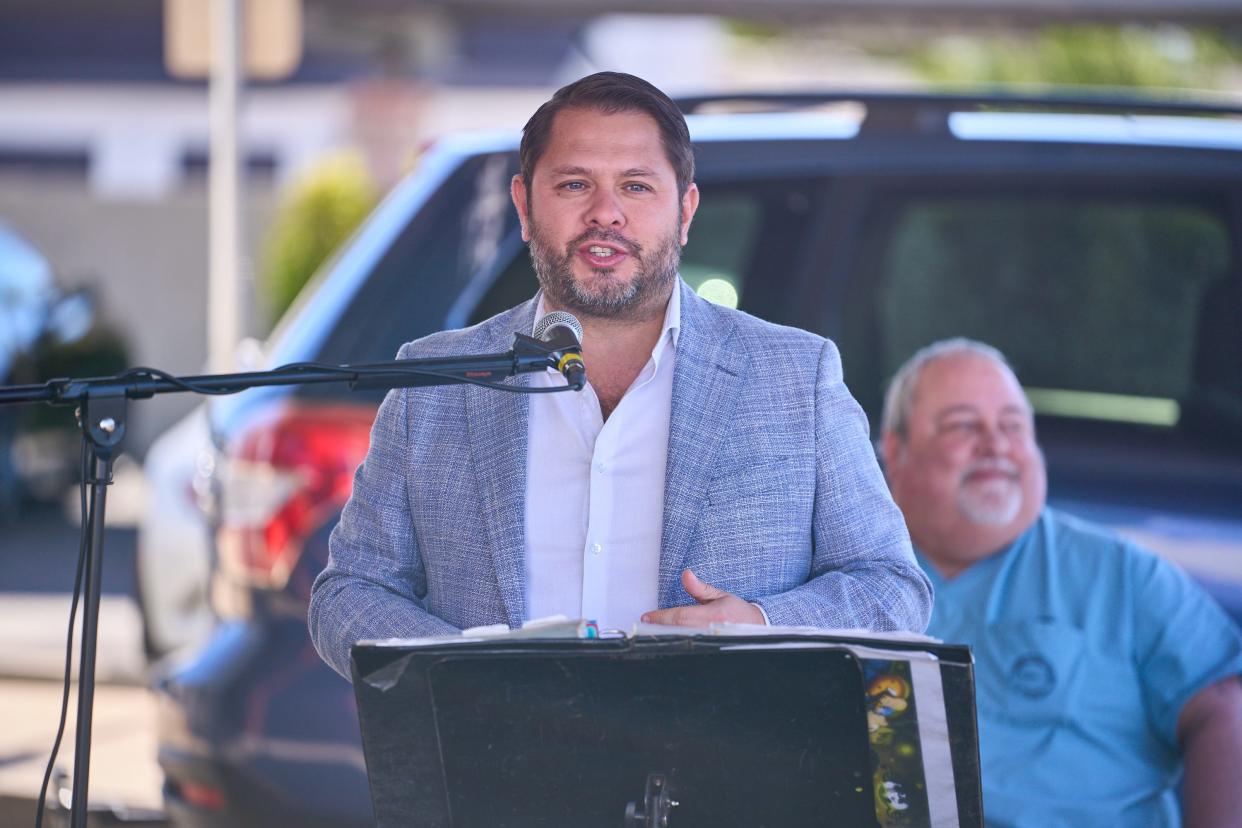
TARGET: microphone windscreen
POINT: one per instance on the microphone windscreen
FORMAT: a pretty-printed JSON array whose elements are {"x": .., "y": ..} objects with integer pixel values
[{"x": 557, "y": 319}]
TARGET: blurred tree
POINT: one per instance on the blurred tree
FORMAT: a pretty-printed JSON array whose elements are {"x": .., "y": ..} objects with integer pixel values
[
  {"x": 315, "y": 214},
  {"x": 1162, "y": 56}
]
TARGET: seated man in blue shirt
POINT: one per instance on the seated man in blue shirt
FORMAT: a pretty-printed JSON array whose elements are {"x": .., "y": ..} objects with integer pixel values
[{"x": 1102, "y": 670}]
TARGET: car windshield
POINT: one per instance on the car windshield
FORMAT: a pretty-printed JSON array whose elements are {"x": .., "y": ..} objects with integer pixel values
[{"x": 1111, "y": 309}]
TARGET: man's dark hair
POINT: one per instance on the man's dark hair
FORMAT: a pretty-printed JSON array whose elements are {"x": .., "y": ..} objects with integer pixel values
[{"x": 610, "y": 93}]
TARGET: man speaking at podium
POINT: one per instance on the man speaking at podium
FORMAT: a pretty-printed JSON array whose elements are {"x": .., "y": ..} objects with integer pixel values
[{"x": 715, "y": 468}]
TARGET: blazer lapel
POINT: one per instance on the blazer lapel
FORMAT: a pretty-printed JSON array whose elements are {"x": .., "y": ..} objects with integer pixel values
[
  {"x": 706, "y": 382},
  {"x": 497, "y": 434}
]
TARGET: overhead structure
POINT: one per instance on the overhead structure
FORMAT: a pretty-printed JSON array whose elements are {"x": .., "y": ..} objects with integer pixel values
[{"x": 938, "y": 11}]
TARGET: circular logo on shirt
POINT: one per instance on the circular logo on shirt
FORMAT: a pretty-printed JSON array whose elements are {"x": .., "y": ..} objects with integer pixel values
[{"x": 1033, "y": 676}]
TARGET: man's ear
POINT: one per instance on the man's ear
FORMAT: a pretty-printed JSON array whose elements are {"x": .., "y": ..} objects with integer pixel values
[
  {"x": 689, "y": 204},
  {"x": 517, "y": 190},
  {"x": 891, "y": 452}
]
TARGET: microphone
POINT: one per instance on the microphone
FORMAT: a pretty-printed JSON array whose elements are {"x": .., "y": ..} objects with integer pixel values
[{"x": 563, "y": 331}]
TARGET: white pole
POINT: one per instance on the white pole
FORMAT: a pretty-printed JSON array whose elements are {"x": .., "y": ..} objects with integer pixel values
[{"x": 225, "y": 307}]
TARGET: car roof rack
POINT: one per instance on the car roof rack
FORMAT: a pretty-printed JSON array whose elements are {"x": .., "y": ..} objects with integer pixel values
[{"x": 928, "y": 112}]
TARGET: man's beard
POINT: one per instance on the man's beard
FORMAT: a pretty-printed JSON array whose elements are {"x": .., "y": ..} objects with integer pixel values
[
  {"x": 993, "y": 502},
  {"x": 606, "y": 296}
]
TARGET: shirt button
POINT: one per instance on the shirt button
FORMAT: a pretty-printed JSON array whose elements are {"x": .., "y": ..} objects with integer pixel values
[
  {"x": 601, "y": 467},
  {"x": 596, "y": 549}
]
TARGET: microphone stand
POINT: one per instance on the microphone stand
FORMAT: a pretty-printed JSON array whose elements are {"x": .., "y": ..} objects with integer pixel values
[{"x": 101, "y": 405}]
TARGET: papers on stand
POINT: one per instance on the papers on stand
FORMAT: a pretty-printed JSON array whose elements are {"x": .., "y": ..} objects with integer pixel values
[
  {"x": 560, "y": 626},
  {"x": 767, "y": 630},
  {"x": 554, "y": 626}
]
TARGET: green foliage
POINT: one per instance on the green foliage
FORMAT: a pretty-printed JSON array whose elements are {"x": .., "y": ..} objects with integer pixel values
[
  {"x": 755, "y": 29},
  {"x": 1097, "y": 55},
  {"x": 318, "y": 212}
]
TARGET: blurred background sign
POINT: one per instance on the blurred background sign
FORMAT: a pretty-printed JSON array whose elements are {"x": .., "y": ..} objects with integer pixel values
[{"x": 273, "y": 38}]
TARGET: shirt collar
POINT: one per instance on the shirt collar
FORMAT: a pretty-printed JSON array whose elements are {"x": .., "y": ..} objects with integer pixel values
[{"x": 672, "y": 316}]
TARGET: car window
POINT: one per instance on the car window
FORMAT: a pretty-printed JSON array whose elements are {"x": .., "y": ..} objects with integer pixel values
[
  {"x": 722, "y": 239},
  {"x": 1110, "y": 309},
  {"x": 417, "y": 280}
]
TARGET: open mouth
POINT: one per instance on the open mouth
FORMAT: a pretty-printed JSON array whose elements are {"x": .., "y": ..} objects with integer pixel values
[{"x": 602, "y": 254}]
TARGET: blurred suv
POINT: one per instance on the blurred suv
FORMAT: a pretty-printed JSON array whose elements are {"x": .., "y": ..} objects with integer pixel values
[{"x": 1093, "y": 241}]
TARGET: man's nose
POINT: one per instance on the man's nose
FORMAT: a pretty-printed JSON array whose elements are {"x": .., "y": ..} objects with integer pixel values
[
  {"x": 605, "y": 210},
  {"x": 993, "y": 439}
]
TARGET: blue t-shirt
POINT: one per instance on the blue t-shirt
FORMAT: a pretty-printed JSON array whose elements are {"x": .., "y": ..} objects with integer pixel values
[{"x": 1086, "y": 647}]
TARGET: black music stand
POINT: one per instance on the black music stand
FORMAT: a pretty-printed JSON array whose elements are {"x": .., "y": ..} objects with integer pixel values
[{"x": 612, "y": 732}]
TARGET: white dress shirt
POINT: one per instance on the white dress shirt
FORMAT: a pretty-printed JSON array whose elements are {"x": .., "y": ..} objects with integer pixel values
[{"x": 595, "y": 493}]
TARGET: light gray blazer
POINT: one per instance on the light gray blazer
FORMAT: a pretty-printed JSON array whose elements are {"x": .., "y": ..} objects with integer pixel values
[{"x": 772, "y": 492}]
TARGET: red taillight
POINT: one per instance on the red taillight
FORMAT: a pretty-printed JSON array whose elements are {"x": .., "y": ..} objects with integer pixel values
[
  {"x": 207, "y": 797},
  {"x": 284, "y": 477}
]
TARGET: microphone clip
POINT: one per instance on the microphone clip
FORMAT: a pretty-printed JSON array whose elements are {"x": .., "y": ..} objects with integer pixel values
[{"x": 560, "y": 351}]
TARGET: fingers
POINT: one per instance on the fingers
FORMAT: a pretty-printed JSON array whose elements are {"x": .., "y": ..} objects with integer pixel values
[
  {"x": 700, "y": 591},
  {"x": 692, "y": 616},
  {"x": 727, "y": 609},
  {"x": 668, "y": 617},
  {"x": 713, "y": 606}
]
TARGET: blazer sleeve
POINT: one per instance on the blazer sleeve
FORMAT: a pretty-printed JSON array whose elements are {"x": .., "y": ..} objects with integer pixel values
[
  {"x": 374, "y": 584},
  {"x": 863, "y": 572}
]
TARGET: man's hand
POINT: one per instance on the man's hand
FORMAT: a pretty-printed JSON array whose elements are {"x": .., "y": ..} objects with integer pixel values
[{"x": 714, "y": 606}]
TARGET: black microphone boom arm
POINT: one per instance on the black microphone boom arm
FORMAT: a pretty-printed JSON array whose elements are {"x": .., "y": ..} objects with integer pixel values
[{"x": 527, "y": 355}]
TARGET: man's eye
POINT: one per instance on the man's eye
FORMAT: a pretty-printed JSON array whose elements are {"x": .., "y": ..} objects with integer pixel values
[
  {"x": 1013, "y": 428},
  {"x": 635, "y": 187},
  {"x": 961, "y": 427},
  {"x": 573, "y": 185}
]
